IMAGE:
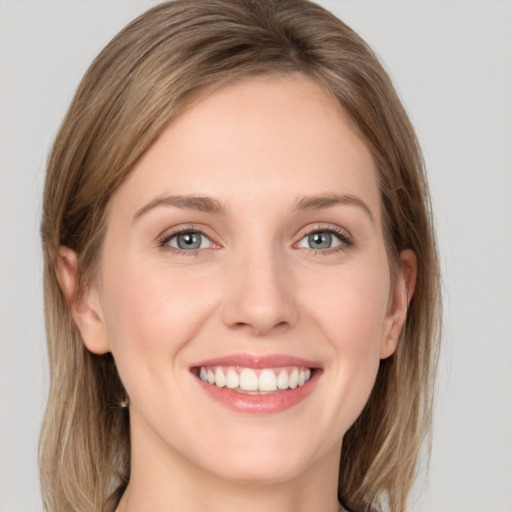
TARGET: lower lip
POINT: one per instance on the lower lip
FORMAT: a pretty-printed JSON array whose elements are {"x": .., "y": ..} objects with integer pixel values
[{"x": 260, "y": 404}]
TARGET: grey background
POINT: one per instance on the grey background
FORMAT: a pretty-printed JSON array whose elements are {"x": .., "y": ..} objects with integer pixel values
[{"x": 452, "y": 63}]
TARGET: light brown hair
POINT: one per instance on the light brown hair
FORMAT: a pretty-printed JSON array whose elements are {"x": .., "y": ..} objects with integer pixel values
[{"x": 140, "y": 82}]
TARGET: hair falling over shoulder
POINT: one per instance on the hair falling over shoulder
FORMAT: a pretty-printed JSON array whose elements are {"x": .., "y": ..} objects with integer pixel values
[{"x": 142, "y": 80}]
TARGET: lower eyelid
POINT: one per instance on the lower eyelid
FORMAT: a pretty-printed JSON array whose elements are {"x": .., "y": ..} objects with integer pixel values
[
  {"x": 164, "y": 241},
  {"x": 176, "y": 235},
  {"x": 343, "y": 239}
]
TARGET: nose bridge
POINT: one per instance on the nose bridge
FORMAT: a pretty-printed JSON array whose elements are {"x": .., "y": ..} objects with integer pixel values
[{"x": 260, "y": 297}]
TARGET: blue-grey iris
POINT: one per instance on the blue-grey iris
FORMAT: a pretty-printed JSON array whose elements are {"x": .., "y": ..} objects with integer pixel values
[
  {"x": 320, "y": 240},
  {"x": 189, "y": 241}
]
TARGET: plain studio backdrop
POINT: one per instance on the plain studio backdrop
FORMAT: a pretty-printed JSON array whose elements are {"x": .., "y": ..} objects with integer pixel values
[{"x": 452, "y": 63}]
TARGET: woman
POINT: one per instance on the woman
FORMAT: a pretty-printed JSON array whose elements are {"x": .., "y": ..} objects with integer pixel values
[{"x": 241, "y": 276}]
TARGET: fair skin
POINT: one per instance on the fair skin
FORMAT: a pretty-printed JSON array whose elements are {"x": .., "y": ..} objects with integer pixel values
[{"x": 282, "y": 257}]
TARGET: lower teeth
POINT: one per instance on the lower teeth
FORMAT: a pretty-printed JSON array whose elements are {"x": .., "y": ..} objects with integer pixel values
[{"x": 244, "y": 392}]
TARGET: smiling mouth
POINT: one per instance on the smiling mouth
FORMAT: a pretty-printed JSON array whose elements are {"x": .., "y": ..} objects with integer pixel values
[{"x": 253, "y": 381}]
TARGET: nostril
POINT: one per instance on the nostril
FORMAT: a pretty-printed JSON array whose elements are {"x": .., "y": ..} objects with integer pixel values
[{"x": 261, "y": 328}]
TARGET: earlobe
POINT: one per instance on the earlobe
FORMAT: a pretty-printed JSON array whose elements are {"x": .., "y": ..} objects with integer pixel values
[
  {"x": 399, "y": 301},
  {"x": 84, "y": 306}
]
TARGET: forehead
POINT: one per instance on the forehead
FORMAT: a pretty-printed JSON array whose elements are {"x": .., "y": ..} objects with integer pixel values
[{"x": 267, "y": 137}]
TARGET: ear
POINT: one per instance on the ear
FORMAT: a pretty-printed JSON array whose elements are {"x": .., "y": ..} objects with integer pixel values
[
  {"x": 399, "y": 299},
  {"x": 85, "y": 306}
]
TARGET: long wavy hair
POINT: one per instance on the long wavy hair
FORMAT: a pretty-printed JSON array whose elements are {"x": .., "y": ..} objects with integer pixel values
[{"x": 145, "y": 77}]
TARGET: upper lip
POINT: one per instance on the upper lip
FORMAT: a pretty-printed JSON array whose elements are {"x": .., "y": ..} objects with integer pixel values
[{"x": 258, "y": 361}]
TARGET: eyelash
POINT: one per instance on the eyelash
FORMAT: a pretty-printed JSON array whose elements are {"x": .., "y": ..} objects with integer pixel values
[
  {"x": 163, "y": 242},
  {"x": 345, "y": 240}
]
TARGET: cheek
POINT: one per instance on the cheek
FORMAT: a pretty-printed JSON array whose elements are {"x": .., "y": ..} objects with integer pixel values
[
  {"x": 350, "y": 313},
  {"x": 151, "y": 314},
  {"x": 352, "y": 308}
]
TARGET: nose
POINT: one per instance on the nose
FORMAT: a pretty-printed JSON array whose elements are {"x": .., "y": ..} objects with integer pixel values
[{"x": 260, "y": 297}]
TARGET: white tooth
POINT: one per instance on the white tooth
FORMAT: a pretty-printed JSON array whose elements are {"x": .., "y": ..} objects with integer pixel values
[
  {"x": 202, "y": 374},
  {"x": 308, "y": 374},
  {"x": 283, "y": 380},
  {"x": 267, "y": 381},
  {"x": 210, "y": 377},
  {"x": 220, "y": 378},
  {"x": 302, "y": 378},
  {"x": 248, "y": 380},
  {"x": 232, "y": 379},
  {"x": 294, "y": 377}
]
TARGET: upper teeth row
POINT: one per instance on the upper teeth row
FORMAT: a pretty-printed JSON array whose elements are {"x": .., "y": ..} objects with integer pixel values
[{"x": 247, "y": 379}]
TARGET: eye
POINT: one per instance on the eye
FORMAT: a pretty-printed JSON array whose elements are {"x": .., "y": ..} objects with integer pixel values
[
  {"x": 188, "y": 241},
  {"x": 324, "y": 239}
]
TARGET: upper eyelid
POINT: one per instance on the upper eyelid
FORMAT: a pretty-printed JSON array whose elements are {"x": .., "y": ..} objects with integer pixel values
[
  {"x": 345, "y": 238},
  {"x": 181, "y": 230},
  {"x": 169, "y": 233},
  {"x": 320, "y": 226}
]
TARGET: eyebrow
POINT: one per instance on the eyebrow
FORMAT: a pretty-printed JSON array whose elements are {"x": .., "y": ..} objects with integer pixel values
[
  {"x": 321, "y": 201},
  {"x": 210, "y": 205},
  {"x": 198, "y": 203}
]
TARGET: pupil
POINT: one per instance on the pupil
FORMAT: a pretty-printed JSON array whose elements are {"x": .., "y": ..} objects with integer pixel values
[
  {"x": 320, "y": 240},
  {"x": 189, "y": 241}
]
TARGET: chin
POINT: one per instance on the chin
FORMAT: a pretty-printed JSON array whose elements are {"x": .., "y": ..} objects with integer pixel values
[
  {"x": 261, "y": 459},
  {"x": 259, "y": 469}
]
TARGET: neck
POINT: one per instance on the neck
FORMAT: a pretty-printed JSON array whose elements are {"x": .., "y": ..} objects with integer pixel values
[
  {"x": 226, "y": 498},
  {"x": 163, "y": 481}
]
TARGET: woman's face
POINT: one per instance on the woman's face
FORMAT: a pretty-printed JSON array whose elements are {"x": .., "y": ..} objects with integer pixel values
[{"x": 244, "y": 287}]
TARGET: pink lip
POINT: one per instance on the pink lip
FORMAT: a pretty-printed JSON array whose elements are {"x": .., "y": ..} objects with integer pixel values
[
  {"x": 258, "y": 361},
  {"x": 259, "y": 404}
]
